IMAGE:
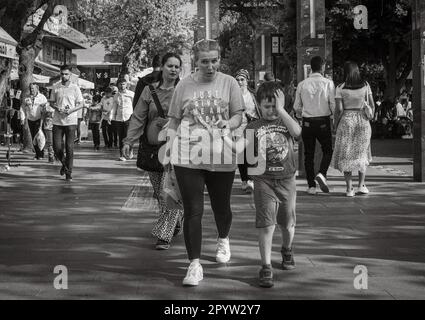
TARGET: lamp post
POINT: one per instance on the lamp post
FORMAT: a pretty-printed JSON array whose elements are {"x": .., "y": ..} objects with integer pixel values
[{"x": 418, "y": 103}]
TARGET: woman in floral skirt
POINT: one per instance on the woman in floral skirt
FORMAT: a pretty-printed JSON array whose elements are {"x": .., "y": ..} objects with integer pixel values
[{"x": 352, "y": 144}]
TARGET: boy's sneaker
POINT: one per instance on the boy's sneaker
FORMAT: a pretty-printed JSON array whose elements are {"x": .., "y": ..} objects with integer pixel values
[
  {"x": 321, "y": 180},
  {"x": 266, "y": 277},
  {"x": 122, "y": 159},
  {"x": 62, "y": 171},
  {"x": 288, "y": 262},
  {"x": 222, "y": 254},
  {"x": 194, "y": 275},
  {"x": 68, "y": 177}
]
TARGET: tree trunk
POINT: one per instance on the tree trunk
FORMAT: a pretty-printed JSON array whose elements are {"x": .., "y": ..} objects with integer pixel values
[
  {"x": 26, "y": 68},
  {"x": 128, "y": 61}
]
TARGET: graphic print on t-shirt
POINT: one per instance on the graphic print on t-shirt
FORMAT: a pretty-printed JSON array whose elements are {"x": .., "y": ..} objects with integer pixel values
[
  {"x": 275, "y": 147},
  {"x": 206, "y": 108}
]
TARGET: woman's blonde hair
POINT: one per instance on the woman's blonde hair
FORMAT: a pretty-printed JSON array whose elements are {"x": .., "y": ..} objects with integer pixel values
[{"x": 205, "y": 45}]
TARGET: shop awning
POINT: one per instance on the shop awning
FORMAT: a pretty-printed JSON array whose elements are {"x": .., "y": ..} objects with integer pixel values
[
  {"x": 7, "y": 45},
  {"x": 38, "y": 78}
]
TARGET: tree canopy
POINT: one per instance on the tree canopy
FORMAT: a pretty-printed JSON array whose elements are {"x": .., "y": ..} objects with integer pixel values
[
  {"x": 384, "y": 50},
  {"x": 137, "y": 30}
]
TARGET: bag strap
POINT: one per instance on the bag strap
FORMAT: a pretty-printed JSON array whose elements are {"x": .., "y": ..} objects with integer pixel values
[{"x": 157, "y": 103}]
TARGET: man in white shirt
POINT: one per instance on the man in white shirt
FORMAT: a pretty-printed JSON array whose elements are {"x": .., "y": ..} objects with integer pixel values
[
  {"x": 122, "y": 109},
  {"x": 31, "y": 110},
  {"x": 315, "y": 102},
  {"x": 66, "y": 100},
  {"x": 399, "y": 109}
]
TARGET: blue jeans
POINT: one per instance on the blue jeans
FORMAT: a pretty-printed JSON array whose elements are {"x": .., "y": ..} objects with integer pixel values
[{"x": 58, "y": 133}]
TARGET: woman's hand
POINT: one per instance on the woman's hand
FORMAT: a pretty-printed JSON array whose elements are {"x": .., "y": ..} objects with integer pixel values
[
  {"x": 126, "y": 150},
  {"x": 222, "y": 124}
]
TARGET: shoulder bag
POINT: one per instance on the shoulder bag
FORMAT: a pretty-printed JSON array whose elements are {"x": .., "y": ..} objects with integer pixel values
[{"x": 147, "y": 156}]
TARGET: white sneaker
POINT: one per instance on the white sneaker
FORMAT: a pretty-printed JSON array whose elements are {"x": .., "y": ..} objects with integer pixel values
[
  {"x": 244, "y": 185},
  {"x": 122, "y": 159},
  {"x": 312, "y": 191},
  {"x": 363, "y": 190},
  {"x": 323, "y": 184},
  {"x": 222, "y": 254},
  {"x": 249, "y": 186},
  {"x": 350, "y": 193},
  {"x": 194, "y": 274},
  {"x": 131, "y": 155}
]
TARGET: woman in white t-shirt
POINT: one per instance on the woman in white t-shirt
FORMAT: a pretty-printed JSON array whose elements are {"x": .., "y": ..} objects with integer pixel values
[{"x": 205, "y": 106}]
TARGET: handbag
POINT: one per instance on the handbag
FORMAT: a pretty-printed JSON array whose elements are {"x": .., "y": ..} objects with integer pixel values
[
  {"x": 155, "y": 126},
  {"x": 367, "y": 109}
]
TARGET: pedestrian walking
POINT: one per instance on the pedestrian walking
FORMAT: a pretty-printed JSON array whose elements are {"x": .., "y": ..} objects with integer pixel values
[
  {"x": 145, "y": 115},
  {"x": 107, "y": 131},
  {"x": 204, "y": 104},
  {"x": 275, "y": 187},
  {"x": 352, "y": 144},
  {"x": 122, "y": 109},
  {"x": 32, "y": 112},
  {"x": 66, "y": 99},
  {"x": 47, "y": 119},
  {"x": 250, "y": 114},
  {"x": 315, "y": 102},
  {"x": 94, "y": 116},
  {"x": 148, "y": 79}
]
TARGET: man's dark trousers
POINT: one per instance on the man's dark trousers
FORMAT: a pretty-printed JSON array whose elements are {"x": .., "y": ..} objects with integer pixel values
[
  {"x": 316, "y": 128},
  {"x": 58, "y": 133}
]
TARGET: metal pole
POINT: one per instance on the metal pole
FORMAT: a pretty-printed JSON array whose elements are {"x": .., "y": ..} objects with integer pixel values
[{"x": 207, "y": 20}]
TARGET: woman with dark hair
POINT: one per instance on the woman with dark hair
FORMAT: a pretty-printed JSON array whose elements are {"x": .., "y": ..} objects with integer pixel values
[
  {"x": 146, "y": 113},
  {"x": 352, "y": 144}
]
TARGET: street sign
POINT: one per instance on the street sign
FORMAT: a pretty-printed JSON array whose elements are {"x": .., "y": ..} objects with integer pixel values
[{"x": 276, "y": 44}]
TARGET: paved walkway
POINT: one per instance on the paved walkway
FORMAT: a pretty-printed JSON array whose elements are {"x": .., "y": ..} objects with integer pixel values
[{"x": 98, "y": 226}]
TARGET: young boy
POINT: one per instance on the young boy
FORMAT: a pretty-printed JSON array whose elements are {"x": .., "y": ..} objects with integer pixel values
[{"x": 274, "y": 177}]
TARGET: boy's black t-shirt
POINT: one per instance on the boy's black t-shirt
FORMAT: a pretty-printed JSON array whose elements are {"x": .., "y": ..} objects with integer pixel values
[{"x": 274, "y": 143}]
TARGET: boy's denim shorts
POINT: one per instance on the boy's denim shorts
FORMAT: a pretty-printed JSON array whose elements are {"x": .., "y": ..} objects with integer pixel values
[{"x": 275, "y": 201}]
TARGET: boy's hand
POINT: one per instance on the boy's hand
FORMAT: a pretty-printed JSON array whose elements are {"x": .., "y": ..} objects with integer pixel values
[{"x": 280, "y": 101}]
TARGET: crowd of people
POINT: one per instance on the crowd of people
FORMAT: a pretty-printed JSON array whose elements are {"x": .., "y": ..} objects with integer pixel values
[{"x": 214, "y": 123}]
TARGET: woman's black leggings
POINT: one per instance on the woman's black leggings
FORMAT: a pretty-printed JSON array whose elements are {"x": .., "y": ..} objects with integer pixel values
[{"x": 192, "y": 183}]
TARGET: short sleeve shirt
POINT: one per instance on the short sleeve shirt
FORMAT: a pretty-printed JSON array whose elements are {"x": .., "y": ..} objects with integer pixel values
[
  {"x": 352, "y": 98},
  {"x": 274, "y": 146},
  {"x": 66, "y": 97},
  {"x": 199, "y": 105}
]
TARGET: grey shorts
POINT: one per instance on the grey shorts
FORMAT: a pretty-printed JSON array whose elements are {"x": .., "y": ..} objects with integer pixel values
[{"x": 275, "y": 201}]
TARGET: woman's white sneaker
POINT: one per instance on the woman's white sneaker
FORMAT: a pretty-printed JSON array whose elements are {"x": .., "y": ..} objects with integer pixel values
[
  {"x": 363, "y": 190},
  {"x": 222, "y": 254},
  {"x": 350, "y": 193},
  {"x": 194, "y": 274}
]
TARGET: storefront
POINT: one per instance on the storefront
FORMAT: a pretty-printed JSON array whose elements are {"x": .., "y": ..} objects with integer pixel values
[{"x": 7, "y": 57}]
